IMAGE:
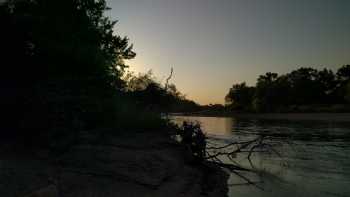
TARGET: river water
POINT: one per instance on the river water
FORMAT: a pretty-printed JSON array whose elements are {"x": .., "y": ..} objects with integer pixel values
[{"x": 313, "y": 156}]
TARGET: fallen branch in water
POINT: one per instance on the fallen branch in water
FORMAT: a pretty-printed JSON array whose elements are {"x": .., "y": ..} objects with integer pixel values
[
  {"x": 224, "y": 156},
  {"x": 231, "y": 150}
]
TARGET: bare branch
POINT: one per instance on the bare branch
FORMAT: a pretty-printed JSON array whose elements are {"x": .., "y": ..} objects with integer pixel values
[
  {"x": 231, "y": 150},
  {"x": 167, "y": 80}
]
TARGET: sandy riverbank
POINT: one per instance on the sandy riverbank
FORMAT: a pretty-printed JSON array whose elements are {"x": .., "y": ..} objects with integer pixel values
[{"x": 137, "y": 165}]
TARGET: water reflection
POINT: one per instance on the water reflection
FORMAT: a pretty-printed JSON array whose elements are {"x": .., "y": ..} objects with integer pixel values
[
  {"x": 316, "y": 164},
  {"x": 220, "y": 126}
]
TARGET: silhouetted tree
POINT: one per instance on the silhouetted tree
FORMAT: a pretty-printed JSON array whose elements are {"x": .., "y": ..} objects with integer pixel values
[
  {"x": 60, "y": 62},
  {"x": 343, "y": 73},
  {"x": 266, "y": 94},
  {"x": 240, "y": 96},
  {"x": 343, "y": 76},
  {"x": 304, "y": 86},
  {"x": 327, "y": 82}
]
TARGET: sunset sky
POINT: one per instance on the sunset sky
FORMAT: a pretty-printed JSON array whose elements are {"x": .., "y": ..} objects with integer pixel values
[{"x": 212, "y": 44}]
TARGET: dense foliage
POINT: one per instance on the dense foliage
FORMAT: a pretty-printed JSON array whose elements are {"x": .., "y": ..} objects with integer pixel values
[
  {"x": 150, "y": 93},
  {"x": 62, "y": 69},
  {"x": 304, "y": 89}
]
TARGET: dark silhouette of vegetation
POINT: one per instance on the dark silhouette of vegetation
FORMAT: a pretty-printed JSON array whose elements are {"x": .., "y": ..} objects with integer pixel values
[
  {"x": 242, "y": 95},
  {"x": 62, "y": 73},
  {"x": 62, "y": 69},
  {"x": 151, "y": 94},
  {"x": 302, "y": 90},
  {"x": 212, "y": 108},
  {"x": 194, "y": 140}
]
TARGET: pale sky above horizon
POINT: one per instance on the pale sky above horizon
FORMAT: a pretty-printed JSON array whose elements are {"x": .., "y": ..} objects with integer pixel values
[{"x": 212, "y": 44}]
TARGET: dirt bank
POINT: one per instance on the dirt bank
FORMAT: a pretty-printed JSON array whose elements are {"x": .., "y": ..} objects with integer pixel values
[{"x": 140, "y": 164}]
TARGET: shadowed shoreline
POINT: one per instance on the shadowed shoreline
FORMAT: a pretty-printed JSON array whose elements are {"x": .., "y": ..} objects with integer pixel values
[{"x": 140, "y": 164}]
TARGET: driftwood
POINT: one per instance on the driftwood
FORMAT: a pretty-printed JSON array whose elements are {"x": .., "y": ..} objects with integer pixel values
[
  {"x": 224, "y": 156},
  {"x": 260, "y": 144}
]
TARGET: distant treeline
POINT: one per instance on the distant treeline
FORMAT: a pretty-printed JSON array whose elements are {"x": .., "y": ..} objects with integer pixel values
[{"x": 302, "y": 90}]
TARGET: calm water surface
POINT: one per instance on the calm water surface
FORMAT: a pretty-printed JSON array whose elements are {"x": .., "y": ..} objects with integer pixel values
[{"x": 315, "y": 163}]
